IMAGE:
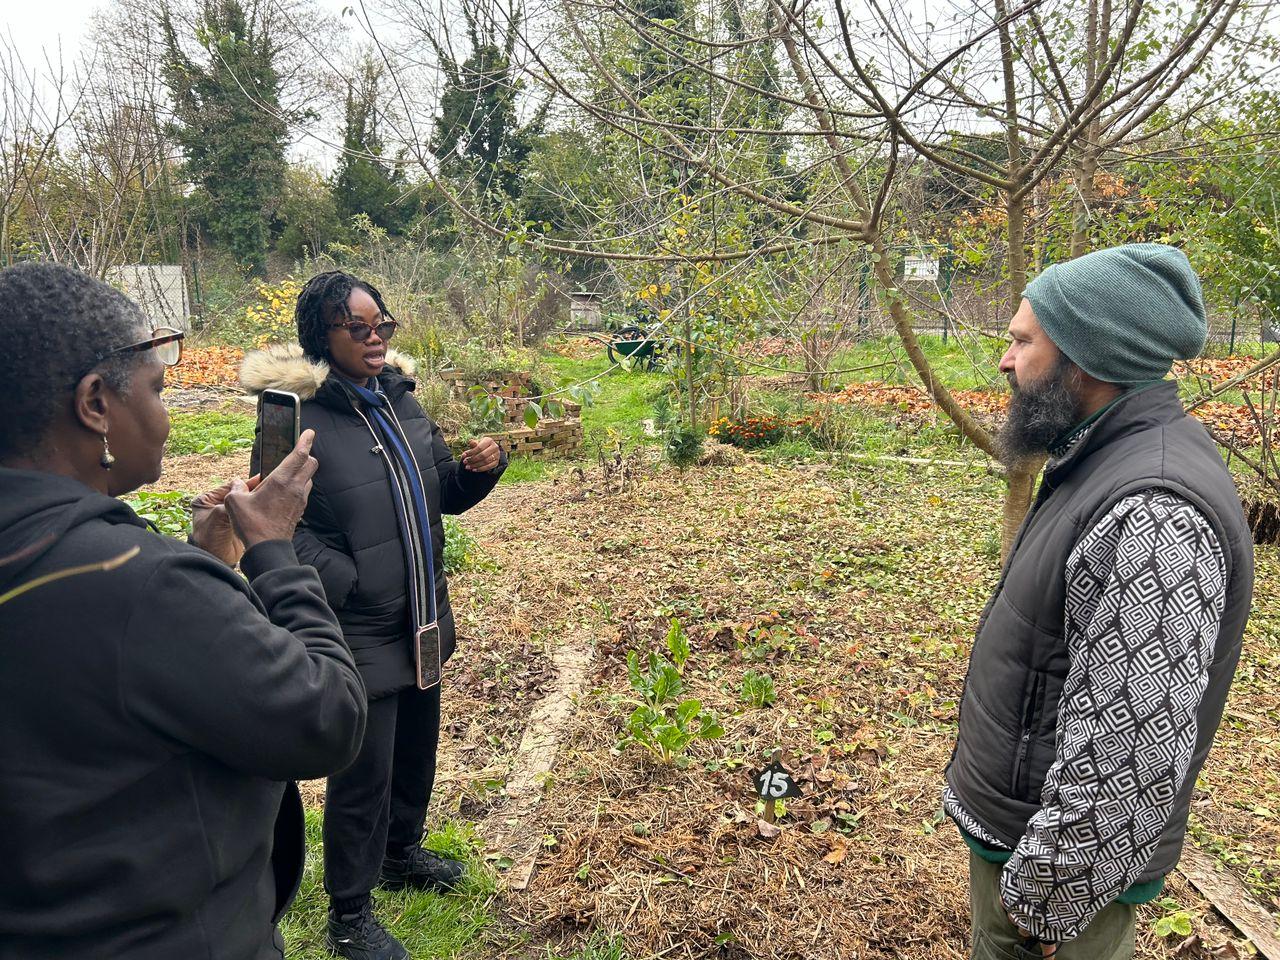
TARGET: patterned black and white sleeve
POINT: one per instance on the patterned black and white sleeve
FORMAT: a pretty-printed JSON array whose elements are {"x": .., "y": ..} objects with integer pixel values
[{"x": 1145, "y": 593}]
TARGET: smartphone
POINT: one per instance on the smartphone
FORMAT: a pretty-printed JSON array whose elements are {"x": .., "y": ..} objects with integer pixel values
[
  {"x": 279, "y": 421},
  {"x": 426, "y": 656}
]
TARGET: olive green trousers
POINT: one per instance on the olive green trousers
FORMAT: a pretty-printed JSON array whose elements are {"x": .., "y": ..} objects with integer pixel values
[{"x": 1108, "y": 937}]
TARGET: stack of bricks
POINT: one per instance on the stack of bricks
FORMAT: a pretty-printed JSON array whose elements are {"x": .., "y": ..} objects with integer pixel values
[
  {"x": 549, "y": 438},
  {"x": 512, "y": 389}
]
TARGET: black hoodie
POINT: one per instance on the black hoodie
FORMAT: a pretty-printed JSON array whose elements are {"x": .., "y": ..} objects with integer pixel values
[{"x": 149, "y": 718}]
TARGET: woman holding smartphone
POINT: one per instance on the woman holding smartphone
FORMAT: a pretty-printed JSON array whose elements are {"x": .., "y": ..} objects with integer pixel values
[
  {"x": 154, "y": 702},
  {"x": 373, "y": 530}
]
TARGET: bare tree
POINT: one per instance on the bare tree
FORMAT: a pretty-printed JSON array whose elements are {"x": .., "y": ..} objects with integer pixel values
[
  {"x": 881, "y": 93},
  {"x": 34, "y": 111},
  {"x": 869, "y": 96}
]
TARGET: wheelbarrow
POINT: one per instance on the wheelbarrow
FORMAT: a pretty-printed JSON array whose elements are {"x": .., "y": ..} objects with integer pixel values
[{"x": 633, "y": 343}]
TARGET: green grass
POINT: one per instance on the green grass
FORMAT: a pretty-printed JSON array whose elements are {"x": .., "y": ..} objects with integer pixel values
[
  {"x": 964, "y": 363},
  {"x": 430, "y": 925},
  {"x": 623, "y": 401},
  {"x": 528, "y": 469},
  {"x": 209, "y": 432},
  {"x": 869, "y": 434}
]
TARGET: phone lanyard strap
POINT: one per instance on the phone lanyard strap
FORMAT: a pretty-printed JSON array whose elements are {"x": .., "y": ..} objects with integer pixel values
[{"x": 406, "y": 478}]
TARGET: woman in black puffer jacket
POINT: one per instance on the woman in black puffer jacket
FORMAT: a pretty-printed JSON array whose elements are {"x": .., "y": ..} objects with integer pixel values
[{"x": 373, "y": 529}]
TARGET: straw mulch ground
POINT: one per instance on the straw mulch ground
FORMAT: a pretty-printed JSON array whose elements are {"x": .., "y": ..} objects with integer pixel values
[{"x": 856, "y": 591}]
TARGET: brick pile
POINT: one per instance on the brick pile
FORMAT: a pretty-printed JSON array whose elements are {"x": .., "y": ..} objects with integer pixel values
[{"x": 550, "y": 438}]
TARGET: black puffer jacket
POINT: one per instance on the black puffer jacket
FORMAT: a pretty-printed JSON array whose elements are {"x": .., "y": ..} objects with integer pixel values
[
  {"x": 152, "y": 714},
  {"x": 349, "y": 532}
]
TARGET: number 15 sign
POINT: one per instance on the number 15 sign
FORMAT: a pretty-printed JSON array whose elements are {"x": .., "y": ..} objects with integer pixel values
[{"x": 774, "y": 783}]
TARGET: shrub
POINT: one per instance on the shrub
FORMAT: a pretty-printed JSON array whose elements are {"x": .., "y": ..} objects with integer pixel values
[
  {"x": 438, "y": 402},
  {"x": 837, "y": 427},
  {"x": 272, "y": 315},
  {"x": 680, "y": 445}
]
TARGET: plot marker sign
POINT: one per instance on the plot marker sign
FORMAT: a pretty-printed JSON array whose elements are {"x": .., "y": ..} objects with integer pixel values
[{"x": 774, "y": 783}]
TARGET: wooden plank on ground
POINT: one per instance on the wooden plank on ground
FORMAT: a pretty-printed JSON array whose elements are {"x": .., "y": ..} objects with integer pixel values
[{"x": 1230, "y": 898}]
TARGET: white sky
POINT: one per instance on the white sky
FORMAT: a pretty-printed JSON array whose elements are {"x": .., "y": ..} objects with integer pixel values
[
  {"x": 37, "y": 25},
  {"x": 46, "y": 25},
  {"x": 46, "y": 31}
]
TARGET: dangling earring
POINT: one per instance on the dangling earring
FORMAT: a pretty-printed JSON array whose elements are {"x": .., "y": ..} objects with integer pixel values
[{"x": 107, "y": 460}]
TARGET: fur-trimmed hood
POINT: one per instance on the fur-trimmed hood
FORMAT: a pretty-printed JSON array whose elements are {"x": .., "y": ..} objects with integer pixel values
[{"x": 285, "y": 367}]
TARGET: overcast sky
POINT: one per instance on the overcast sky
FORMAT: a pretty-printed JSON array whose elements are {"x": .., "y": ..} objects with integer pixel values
[
  {"x": 43, "y": 30},
  {"x": 48, "y": 24}
]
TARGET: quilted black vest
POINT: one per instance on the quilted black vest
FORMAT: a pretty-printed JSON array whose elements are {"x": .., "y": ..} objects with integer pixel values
[{"x": 1009, "y": 712}]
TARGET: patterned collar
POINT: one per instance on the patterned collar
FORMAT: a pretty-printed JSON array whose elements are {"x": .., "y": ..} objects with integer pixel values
[{"x": 1061, "y": 451}]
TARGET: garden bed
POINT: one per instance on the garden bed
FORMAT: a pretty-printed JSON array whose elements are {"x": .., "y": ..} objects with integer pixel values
[
  {"x": 857, "y": 593},
  {"x": 855, "y": 590}
]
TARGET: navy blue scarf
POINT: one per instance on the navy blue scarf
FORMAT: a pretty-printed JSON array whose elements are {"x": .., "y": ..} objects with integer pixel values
[{"x": 379, "y": 409}]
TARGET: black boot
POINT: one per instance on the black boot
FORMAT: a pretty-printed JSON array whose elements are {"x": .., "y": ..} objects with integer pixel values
[
  {"x": 359, "y": 936},
  {"x": 421, "y": 869}
]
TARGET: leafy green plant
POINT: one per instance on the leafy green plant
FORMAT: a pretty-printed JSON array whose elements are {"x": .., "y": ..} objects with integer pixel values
[
  {"x": 680, "y": 445},
  {"x": 1175, "y": 920},
  {"x": 168, "y": 511},
  {"x": 758, "y": 689},
  {"x": 225, "y": 445},
  {"x": 659, "y": 684},
  {"x": 662, "y": 723},
  {"x": 678, "y": 645},
  {"x": 461, "y": 550},
  {"x": 767, "y": 641},
  {"x": 487, "y": 410},
  {"x": 209, "y": 432}
]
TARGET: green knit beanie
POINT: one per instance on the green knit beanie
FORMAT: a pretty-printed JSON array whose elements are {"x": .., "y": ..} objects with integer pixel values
[{"x": 1123, "y": 314}]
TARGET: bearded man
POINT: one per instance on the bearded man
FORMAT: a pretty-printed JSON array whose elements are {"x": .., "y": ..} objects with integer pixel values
[{"x": 1102, "y": 661}]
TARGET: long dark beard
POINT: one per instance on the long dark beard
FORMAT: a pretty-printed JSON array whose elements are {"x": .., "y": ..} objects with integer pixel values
[{"x": 1040, "y": 413}]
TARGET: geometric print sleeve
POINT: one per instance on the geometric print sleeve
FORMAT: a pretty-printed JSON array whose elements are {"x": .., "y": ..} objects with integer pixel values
[{"x": 1145, "y": 593}]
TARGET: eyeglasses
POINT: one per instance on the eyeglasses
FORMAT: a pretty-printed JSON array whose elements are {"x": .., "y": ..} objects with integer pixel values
[
  {"x": 360, "y": 331},
  {"x": 166, "y": 342}
]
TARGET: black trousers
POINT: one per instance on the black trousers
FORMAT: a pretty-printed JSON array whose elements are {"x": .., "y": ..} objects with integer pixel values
[{"x": 377, "y": 806}]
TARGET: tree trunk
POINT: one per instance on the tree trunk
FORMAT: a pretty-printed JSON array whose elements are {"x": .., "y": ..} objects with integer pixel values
[
  {"x": 1016, "y": 208},
  {"x": 1017, "y": 501},
  {"x": 1083, "y": 173},
  {"x": 1021, "y": 482}
]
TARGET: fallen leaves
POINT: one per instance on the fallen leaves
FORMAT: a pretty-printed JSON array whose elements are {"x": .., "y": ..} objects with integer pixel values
[
  {"x": 213, "y": 366},
  {"x": 668, "y": 860},
  {"x": 839, "y": 849},
  {"x": 767, "y": 831},
  {"x": 912, "y": 403},
  {"x": 912, "y": 400}
]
